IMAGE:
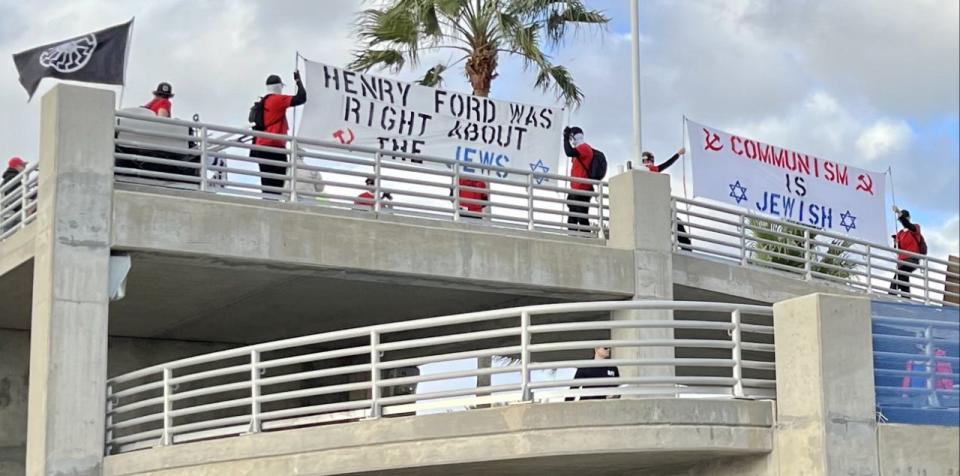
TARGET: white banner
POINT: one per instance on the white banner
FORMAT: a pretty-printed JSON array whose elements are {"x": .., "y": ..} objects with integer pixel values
[
  {"x": 797, "y": 187},
  {"x": 357, "y": 108}
]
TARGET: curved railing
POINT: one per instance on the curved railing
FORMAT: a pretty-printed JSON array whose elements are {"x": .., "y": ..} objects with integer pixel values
[
  {"x": 662, "y": 348},
  {"x": 18, "y": 201},
  {"x": 218, "y": 159}
]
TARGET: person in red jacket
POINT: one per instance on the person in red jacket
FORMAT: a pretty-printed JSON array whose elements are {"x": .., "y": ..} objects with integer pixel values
[
  {"x": 907, "y": 239},
  {"x": 648, "y": 161},
  {"x": 471, "y": 209},
  {"x": 365, "y": 201},
  {"x": 160, "y": 104},
  {"x": 275, "y": 105},
  {"x": 581, "y": 155}
]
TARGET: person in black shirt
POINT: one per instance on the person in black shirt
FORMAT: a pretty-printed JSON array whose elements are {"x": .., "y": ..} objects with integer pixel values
[{"x": 600, "y": 353}]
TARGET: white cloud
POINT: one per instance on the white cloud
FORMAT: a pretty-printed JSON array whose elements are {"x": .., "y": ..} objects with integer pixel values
[
  {"x": 882, "y": 138},
  {"x": 944, "y": 239}
]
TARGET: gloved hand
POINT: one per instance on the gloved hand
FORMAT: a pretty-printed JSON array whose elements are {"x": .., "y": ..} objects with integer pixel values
[
  {"x": 296, "y": 75},
  {"x": 566, "y": 132}
]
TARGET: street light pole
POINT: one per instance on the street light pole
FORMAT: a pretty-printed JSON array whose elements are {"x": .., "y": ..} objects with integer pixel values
[{"x": 635, "y": 60}]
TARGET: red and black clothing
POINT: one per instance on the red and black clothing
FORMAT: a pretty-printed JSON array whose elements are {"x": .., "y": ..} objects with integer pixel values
[
  {"x": 159, "y": 103},
  {"x": 472, "y": 210},
  {"x": 581, "y": 157},
  {"x": 907, "y": 239},
  {"x": 275, "y": 122},
  {"x": 664, "y": 166}
]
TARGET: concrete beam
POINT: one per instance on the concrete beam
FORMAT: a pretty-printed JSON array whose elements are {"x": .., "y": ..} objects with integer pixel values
[
  {"x": 557, "y": 438},
  {"x": 825, "y": 392},
  {"x": 919, "y": 449},
  {"x": 68, "y": 347},
  {"x": 201, "y": 224}
]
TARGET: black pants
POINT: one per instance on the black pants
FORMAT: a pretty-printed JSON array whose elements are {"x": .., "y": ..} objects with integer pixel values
[
  {"x": 279, "y": 169},
  {"x": 582, "y": 221},
  {"x": 683, "y": 240},
  {"x": 902, "y": 280}
]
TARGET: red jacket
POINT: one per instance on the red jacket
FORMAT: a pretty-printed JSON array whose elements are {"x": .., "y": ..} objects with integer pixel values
[
  {"x": 942, "y": 383},
  {"x": 275, "y": 119},
  {"x": 365, "y": 199},
  {"x": 470, "y": 194},
  {"x": 580, "y": 165},
  {"x": 907, "y": 240}
]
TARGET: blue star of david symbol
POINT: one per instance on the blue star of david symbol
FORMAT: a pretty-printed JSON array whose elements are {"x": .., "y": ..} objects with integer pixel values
[
  {"x": 539, "y": 167},
  {"x": 848, "y": 221},
  {"x": 738, "y": 192}
]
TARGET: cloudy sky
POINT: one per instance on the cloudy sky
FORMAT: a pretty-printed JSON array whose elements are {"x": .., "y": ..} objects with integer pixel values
[{"x": 872, "y": 83}]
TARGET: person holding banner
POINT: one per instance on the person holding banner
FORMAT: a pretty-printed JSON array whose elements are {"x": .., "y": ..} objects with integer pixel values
[
  {"x": 647, "y": 160},
  {"x": 274, "y": 116},
  {"x": 908, "y": 239},
  {"x": 581, "y": 155}
]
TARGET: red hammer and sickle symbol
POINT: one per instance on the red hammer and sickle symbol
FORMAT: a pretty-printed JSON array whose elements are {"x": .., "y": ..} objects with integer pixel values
[
  {"x": 340, "y": 137},
  {"x": 865, "y": 183},
  {"x": 712, "y": 141}
]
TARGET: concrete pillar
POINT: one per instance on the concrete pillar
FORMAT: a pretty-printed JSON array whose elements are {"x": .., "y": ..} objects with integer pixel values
[
  {"x": 68, "y": 341},
  {"x": 825, "y": 392},
  {"x": 640, "y": 221}
]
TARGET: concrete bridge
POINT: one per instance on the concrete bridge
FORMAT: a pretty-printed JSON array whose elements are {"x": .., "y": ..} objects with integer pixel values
[{"x": 210, "y": 271}]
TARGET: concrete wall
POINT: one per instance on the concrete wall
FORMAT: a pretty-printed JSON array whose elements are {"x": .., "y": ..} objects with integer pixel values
[
  {"x": 599, "y": 437},
  {"x": 432, "y": 251},
  {"x": 919, "y": 450},
  {"x": 124, "y": 355}
]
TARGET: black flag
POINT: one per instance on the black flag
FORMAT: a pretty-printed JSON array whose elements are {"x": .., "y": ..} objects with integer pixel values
[{"x": 97, "y": 57}]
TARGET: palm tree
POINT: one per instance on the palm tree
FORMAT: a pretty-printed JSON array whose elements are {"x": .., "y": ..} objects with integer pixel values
[
  {"x": 783, "y": 244},
  {"x": 478, "y": 30}
]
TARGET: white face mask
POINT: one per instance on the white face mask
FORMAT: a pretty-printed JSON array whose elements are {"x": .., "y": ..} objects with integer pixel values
[
  {"x": 274, "y": 88},
  {"x": 577, "y": 139}
]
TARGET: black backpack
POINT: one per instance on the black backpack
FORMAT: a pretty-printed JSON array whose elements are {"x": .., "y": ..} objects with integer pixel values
[
  {"x": 256, "y": 114},
  {"x": 598, "y": 166},
  {"x": 921, "y": 241}
]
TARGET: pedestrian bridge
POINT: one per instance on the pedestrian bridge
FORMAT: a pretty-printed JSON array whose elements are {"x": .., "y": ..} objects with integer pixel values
[{"x": 386, "y": 396}]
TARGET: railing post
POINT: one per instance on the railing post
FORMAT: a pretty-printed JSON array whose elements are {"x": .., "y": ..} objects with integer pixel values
[
  {"x": 600, "y": 210},
  {"x": 736, "y": 337},
  {"x": 807, "y": 255},
  {"x": 869, "y": 269},
  {"x": 374, "y": 374},
  {"x": 255, "y": 423},
  {"x": 293, "y": 169},
  {"x": 376, "y": 182},
  {"x": 456, "y": 192},
  {"x": 525, "y": 394},
  {"x": 674, "y": 219},
  {"x": 23, "y": 197},
  {"x": 930, "y": 366},
  {"x": 743, "y": 240},
  {"x": 166, "y": 438},
  {"x": 926, "y": 280},
  {"x": 203, "y": 159},
  {"x": 108, "y": 436},
  {"x": 530, "y": 202}
]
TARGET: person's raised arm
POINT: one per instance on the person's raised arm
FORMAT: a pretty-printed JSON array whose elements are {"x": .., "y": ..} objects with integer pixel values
[
  {"x": 567, "y": 148},
  {"x": 671, "y": 160},
  {"x": 301, "y": 96}
]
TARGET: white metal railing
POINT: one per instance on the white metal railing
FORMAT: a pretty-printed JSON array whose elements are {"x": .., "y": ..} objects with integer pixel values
[
  {"x": 754, "y": 240},
  {"x": 407, "y": 368},
  {"x": 18, "y": 201},
  {"x": 217, "y": 159}
]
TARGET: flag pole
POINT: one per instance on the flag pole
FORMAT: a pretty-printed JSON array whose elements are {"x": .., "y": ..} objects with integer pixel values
[
  {"x": 126, "y": 60},
  {"x": 296, "y": 65},
  {"x": 635, "y": 60}
]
